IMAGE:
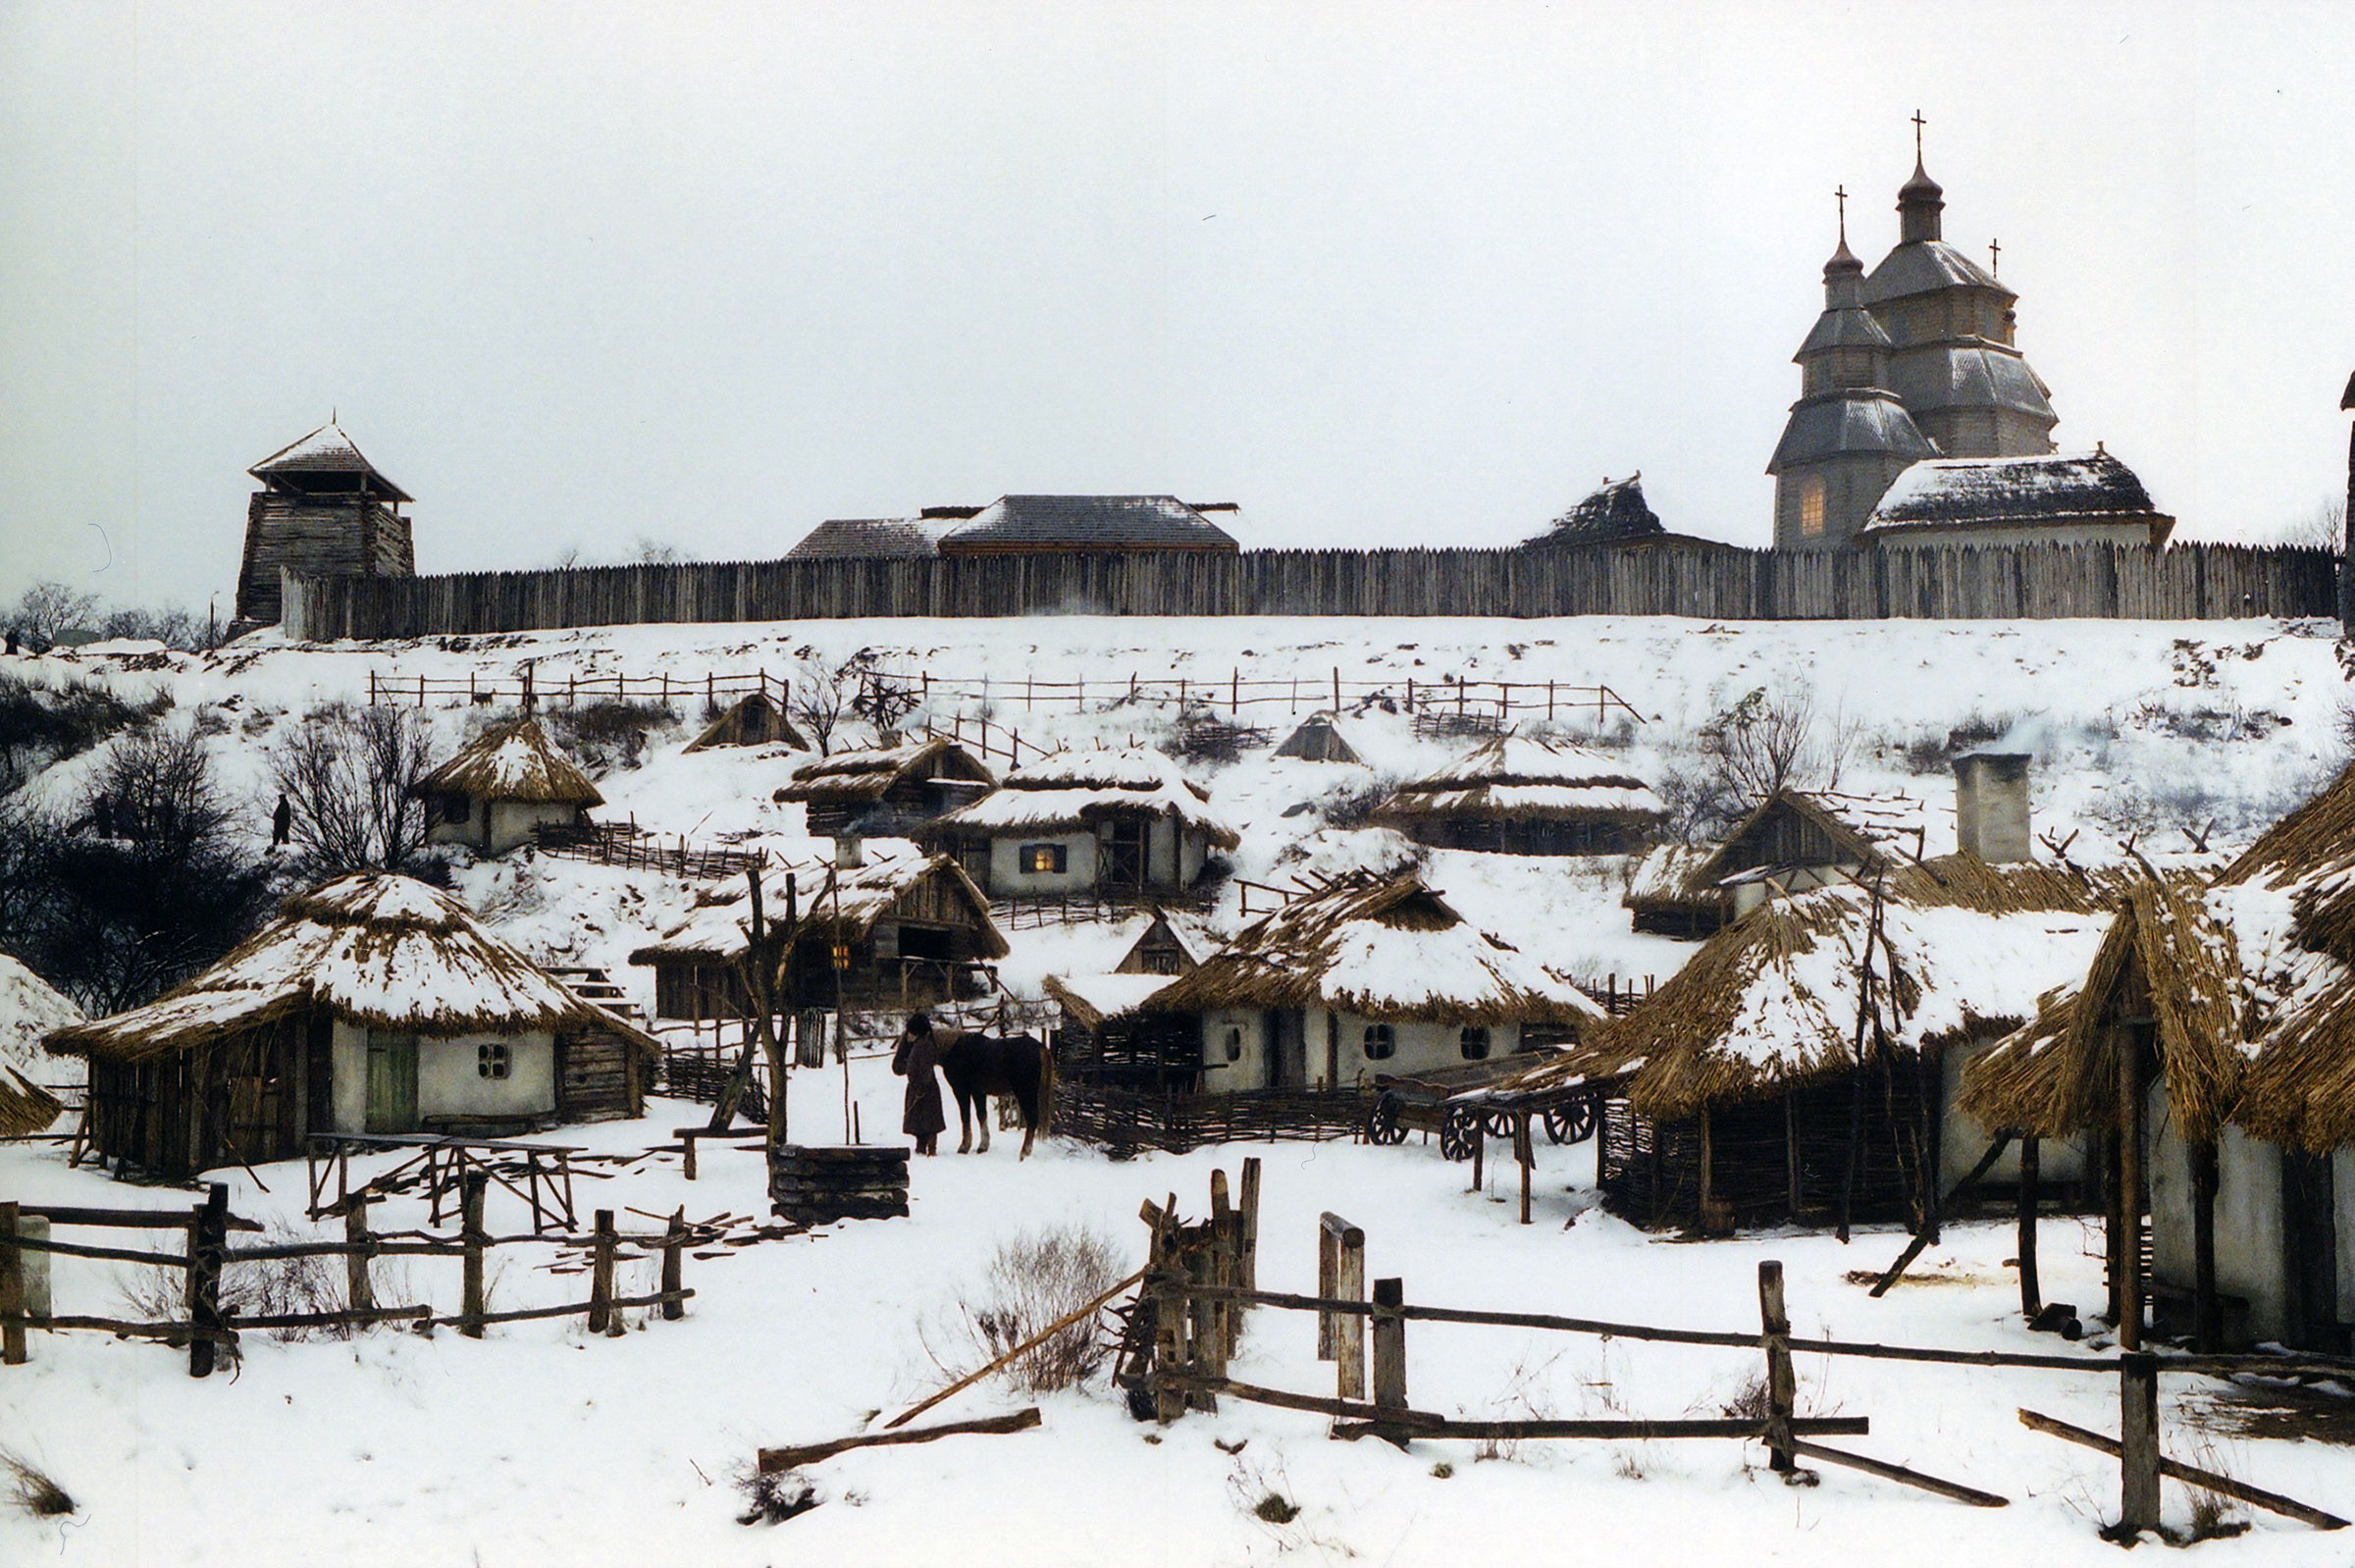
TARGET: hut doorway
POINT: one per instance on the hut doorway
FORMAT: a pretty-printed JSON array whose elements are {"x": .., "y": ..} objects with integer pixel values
[
  {"x": 1287, "y": 1048},
  {"x": 2310, "y": 1253},
  {"x": 1124, "y": 854},
  {"x": 391, "y": 1085}
]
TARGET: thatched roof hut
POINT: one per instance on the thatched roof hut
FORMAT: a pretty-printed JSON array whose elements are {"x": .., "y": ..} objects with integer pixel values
[
  {"x": 886, "y": 791},
  {"x": 752, "y": 719},
  {"x": 1388, "y": 949},
  {"x": 1122, "y": 823},
  {"x": 1791, "y": 840},
  {"x": 25, "y": 1108},
  {"x": 503, "y": 787},
  {"x": 1079, "y": 789},
  {"x": 1317, "y": 738},
  {"x": 1526, "y": 796},
  {"x": 279, "y": 1039}
]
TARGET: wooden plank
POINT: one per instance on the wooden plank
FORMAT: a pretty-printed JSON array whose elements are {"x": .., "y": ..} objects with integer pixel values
[
  {"x": 74, "y": 1249},
  {"x": 2189, "y": 1475},
  {"x": 1042, "y": 1336},
  {"x": 774, "y": 1460},
  {"x": 12, "y": 1291},
  {"x": 1899, "y": 1473}
]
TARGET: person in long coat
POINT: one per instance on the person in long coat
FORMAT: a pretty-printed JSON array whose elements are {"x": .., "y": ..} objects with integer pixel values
[{"x": 915, "y": 1060}]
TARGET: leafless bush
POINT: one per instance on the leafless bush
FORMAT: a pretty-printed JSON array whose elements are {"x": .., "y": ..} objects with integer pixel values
[
  {"x": 29, "y": 1489},
  {"x": 1762, "y": 744},
  {"x": 2214, "y": 1516},
  {"x": 609, "y": 735},
  {"x": 773, "y": 1499},
  {"x": 269, "y": 1287},
  {"x": 350, "y": 777},
  {"x": 1036, "y": 1277},
  {"x": 50, "y": 609}
]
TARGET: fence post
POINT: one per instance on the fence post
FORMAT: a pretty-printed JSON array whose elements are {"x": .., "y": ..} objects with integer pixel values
[
  {"x": 1226, "y": 1318},
  {"x": 12, "y": 1289},
  {"x": 2138, "y": 1443},
  {"x": 1336, "y": 687},
  {"x": 360, "y": 1289},
  {"x": 1389, "y": 1344},
  {"x": 1782, "y": 1387},
  {"x": 674, "y": 1243},
  {"x": 2031, "y": 1289},
  {"x": 1349, "y": 1345},
  {"x": 1249, "y": 1205},
  {"x": 600, "y": 1274},
  {"x": 208, "y": 1235},
  {"x": 474, "y": 1237},
  {"x": 1329, "y": 1286}
]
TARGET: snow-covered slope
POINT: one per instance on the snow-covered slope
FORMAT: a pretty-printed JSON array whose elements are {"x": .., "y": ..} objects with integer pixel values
[{"x": 29, "y": 1010}]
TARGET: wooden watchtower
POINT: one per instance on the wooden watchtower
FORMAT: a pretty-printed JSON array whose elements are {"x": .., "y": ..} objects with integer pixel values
[{"x": 323, "y": 508}]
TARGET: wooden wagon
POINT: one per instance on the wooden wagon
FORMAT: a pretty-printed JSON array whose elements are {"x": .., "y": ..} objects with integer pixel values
[{"x": 1464, "y": 1103}]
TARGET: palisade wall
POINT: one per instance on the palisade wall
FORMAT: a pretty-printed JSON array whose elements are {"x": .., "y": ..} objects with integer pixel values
[{"x": 2183, "y": 582}]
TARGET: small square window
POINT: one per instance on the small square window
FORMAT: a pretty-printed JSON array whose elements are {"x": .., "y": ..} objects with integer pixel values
[
  {"x": 1381, "y": 1043},
  {"x": 491, "y": 1060},
  {"x": 1039, "y": 859},
  {"x": 1473, "y": 1043},
  {"x": 457, "y": 808}
]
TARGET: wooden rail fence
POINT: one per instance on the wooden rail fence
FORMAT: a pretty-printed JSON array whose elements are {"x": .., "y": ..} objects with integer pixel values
[
  {"x": 2191, "y": 581},
  {"x": 206, "y": 1254},
  {"x": 1200, "y": 1281}
]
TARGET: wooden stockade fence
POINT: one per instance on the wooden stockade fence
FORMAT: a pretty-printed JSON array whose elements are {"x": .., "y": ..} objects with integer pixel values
[
  {"x": 636, "y": 848},
  {"x": 2191, "y": 581},
  {"x": 206, "y": 1254},
  {"x": 1201, "y": 1279},
  {"x": 1125, "y": 1120}
]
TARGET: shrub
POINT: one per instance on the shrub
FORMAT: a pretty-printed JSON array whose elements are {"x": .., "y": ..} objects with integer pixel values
[
  {"x": 1036, "y": 1277},
  {"x": 350, "y": 776},
  {"x": 609, "y": 735},
  {"x": 30, "y": 1491},
  {"x": 44, "y": 725}
]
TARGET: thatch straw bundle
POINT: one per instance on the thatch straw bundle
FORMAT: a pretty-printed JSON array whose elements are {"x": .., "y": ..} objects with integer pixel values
[{"x": 513, "y": 760}]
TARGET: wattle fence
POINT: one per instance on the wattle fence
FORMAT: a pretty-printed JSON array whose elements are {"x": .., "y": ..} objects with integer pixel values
[{"x": 2182, "y": 582}]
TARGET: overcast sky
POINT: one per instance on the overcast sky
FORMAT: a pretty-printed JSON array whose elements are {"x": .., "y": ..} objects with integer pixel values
[{"x": 1382, "y": 273}]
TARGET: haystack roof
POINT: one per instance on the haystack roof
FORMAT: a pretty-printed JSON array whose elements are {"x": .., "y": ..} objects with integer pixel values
[
  {"x": 2056, "y": 1076},
  {"x": 1771, "y": 1001},
  {"x": 725, "y": 730},
  {"x": 844, "y": 901},
  {"x": 863, "y": 777},
  {"x": 1077, "y": 789},
  {"x": 25, "y": 1108},
  {"x": 513, "y": 761},
  {"x": 375, "y": 949},
  {"x": 1520, "y": 777},
  {"x": 1615, "y": 515},
  {"x": 1380, "y": 948}
]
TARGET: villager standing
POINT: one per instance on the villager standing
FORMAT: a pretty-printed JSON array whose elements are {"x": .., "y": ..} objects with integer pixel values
[
  {"x": 14, "y": 641},
  {"x": 916, "y": 1059},
  {"x": 282, "y": 822}
]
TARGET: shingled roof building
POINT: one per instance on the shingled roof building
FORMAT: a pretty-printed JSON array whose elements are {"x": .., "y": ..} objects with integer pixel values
[
  {"x": 323, "y": 508},
  {"x": 2017, "y": 500},
  {"x": 1914, "y": 360},
  {"x": 1028, "y": 524}
]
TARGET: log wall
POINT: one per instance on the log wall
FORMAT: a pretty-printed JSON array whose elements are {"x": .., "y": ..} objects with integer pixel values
[{"x": 2183, "y": 582}]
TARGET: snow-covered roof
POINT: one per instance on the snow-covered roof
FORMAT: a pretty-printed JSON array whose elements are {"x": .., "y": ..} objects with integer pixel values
[
  {"x": 325, "y": 453},
  {"x": 872, "y": 538},
  {"x": 1088, "y": 1000},
  {"x": 372, "y": 949},
  {"x": 1615, "y": 515},
  {"x": 1077, "y": 789},
  {"x": 1380, "y": 948},
  {"x": 513, "y": 761},
  {"x": 1088, "y": 522},
  {"x": 1521, "y": 776},
  {"x": 848, "y": 900},
  {"x": 865, "y": 777},
  {"x": 2012, "y": 491},
  {"x": 29, "y": 1009}
]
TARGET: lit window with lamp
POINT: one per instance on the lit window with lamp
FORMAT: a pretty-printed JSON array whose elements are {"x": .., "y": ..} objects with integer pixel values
[
  {"x": 1811, "y": 507},
  {"x": 1038, "y": 859}
]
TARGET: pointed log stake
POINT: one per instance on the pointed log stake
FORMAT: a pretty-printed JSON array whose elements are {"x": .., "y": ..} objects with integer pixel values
[
  {"x": 1031, "y": 1343},
  {"x": 774, "y": 1460},
  {"x": 2189, "y": 1475}
]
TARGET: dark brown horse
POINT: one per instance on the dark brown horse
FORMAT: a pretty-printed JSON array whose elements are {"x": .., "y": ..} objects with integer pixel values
[{"x": 979, "y": 1065}]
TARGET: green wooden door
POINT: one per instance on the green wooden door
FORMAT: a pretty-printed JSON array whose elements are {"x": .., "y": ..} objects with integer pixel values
[{"x": 392, "y": 1085}]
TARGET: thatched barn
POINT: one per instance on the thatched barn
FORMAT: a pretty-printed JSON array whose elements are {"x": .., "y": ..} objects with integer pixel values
[
  {"x": 754, "y": 719},
  {"x": 1791, "y": 840},
  {"x": 1317, "y": 738},
  {"x": 1525, "y": 796},
  {"x": 1113, "y": 822},
  {"x": 1169, "y": 943},
  {"x": 373, "y": 1003},
  {"x": 888, "y": 791},
  {"x": 1802, "y": 1066},
  {"x": 1104, "y": 1026},
  {"x": 1369, "y": 975},
  {"x": 2210, "y": 1046},
  {"x": 503, "y": 787},
  {"x": 912, "y": 929}
]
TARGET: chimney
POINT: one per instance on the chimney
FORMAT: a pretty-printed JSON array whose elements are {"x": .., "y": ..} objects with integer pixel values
[
  {"x": 850, "y": 851},
  {"x": 1991, "y": 806}
]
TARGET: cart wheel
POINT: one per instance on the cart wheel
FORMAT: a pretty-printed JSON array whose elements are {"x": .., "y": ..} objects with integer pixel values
[
  {"x": 1571, "y": 1123},
  {"x": 1383, "y": 1125},
  {"x": 1498, "y": 1123},
  {"x": 1458, "y": 1131}
]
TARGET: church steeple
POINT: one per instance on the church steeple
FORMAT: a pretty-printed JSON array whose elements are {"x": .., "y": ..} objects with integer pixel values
[{"x": 1920, "y": 199}]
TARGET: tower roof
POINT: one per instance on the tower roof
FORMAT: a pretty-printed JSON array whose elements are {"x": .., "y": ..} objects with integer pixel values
[{"x": 327, "y": 459}]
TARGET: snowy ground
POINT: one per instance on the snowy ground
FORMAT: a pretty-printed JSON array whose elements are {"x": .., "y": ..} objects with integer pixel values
[{"x": 538, "y": 1445}]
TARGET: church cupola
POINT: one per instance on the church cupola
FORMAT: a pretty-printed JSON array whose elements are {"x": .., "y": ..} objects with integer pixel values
[
  {"x": 1848, "y": 435},
  {"x": 1920, "y": 201}
]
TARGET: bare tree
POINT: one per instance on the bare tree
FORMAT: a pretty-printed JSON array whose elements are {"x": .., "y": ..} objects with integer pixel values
[
  {"x": 1768, "y": 740},
  {"x": 2324, "y": 528},
  {"x": 172, "y": 625},
  {"x": 654, "y": 553},
  {"x": 821, "y": 695},
  {"x": 350, "y": 777},
  {"x": 50, "y": 609}
]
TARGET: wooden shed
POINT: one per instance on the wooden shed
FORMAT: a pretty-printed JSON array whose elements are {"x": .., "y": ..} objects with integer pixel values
[
  {"x": 889, "y": 791},
  {"x": 752, "y": 719},
  {"x": 912, "y": 930},
  {"x": 1791, "y": 840},
  {"x": 1522, "y": 795},
  {"x": 1120, "y": 822},
  {"x": 373, "y": 1003},
  {"x": 504, "y": 787},
  {"x": 1801, "y": 1067},
  {"x": 1317, "y": 738},
  {"x": 2210, "y": 1049}
]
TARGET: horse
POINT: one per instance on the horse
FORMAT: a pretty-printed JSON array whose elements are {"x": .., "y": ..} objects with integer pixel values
[{"x": 979, "y": 1065}]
